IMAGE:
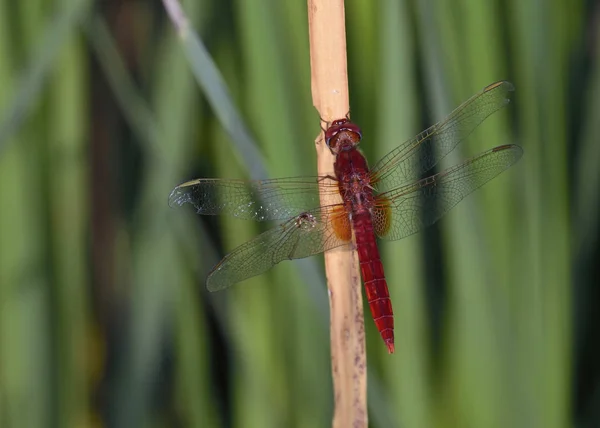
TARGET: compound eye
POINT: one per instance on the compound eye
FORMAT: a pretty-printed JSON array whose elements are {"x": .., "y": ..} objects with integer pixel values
[{"x": 331, "y": 142}]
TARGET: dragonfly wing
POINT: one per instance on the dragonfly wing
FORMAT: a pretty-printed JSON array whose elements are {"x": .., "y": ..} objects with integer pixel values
[
  {"x": 258, "y": 200},
  {"x": 409, "y": 209},
  {"x": 309, "y": 233},
  {"x": 407, "y": 162}
]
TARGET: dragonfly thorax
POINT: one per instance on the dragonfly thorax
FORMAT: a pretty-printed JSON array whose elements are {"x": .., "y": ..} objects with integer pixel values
[{"x": 356, "y": 190}]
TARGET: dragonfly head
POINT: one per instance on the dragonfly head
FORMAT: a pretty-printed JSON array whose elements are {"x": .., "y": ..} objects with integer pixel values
[{"x": 342, "y": 135}]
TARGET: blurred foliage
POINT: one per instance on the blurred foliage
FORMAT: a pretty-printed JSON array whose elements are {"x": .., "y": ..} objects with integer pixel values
[{"x": 104, "y": 319}]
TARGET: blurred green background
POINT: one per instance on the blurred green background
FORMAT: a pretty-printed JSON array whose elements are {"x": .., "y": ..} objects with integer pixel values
[{"x": 104, "y": 318}]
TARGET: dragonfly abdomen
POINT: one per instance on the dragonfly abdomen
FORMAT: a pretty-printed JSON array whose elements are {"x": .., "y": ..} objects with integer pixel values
[{"x": 371, "y": 269}]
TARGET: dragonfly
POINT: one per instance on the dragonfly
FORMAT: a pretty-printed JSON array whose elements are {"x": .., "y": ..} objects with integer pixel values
[{"x": 356, "y": 205}]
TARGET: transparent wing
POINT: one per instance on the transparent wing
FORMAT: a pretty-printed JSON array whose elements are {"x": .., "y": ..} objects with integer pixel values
[
  {"x": 407, "y": 162},
  {"x": 309, "y": 233},
  {"x": 258, "y": 200},
  {"x": 409, "y": 209}
]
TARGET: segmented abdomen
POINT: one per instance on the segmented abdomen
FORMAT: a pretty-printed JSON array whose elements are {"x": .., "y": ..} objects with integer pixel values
[{"x": 371, "y": 268}]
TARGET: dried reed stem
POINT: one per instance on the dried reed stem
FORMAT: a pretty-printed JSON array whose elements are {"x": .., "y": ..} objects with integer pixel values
[{"x": 329, "y": 78}]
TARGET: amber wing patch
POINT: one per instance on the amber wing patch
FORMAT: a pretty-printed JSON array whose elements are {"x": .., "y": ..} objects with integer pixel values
[
  {"x": 340, "y": 222},
  {"x": 382, "y": 216}
]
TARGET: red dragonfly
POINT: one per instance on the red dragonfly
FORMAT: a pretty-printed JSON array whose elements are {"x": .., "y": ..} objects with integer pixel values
[{"x": 389, "y": 200}]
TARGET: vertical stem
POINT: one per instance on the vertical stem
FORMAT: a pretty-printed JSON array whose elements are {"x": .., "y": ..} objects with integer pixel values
[{"x": 329, "y": 79}]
